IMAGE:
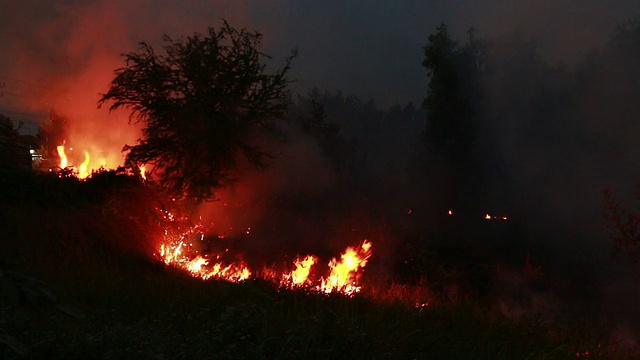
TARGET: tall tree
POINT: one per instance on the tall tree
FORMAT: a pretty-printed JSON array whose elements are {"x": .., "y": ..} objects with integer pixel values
[
  {"x": 451, "y": 105},
  {"x": 14, "y": 154},
  {"x": 204, "y": 101}
]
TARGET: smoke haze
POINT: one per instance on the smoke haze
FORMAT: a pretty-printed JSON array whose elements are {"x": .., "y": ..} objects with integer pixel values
[{"x": 560, "y": 113}]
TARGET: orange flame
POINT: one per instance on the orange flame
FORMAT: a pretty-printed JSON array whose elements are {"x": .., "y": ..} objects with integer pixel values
[
  {"x": 63, "y": 157},
  {"x": 83, "y": 170},
  {"x": 199, "y": 265},
  {"x": 343, "y": 274},
  {"x": 343, "y": 278},
  {"x": 299, "y": 276}
]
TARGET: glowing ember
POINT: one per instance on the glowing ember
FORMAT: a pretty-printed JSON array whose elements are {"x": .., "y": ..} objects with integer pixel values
[
  {"x": 450, "y": 212},
  {"x": 143, "y": 172},
  {"x": 63, "y": 157},
  {"x": 487, "y": 216}
]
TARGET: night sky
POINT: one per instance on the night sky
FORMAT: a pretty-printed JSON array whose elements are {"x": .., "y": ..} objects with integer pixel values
[{"x": 372, "y": 49}]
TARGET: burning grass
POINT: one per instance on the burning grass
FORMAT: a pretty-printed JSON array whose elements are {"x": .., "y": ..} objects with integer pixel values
[{"x": 86, "y": 243}]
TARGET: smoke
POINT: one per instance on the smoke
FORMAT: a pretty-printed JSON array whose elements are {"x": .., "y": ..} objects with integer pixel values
[
  {"x": 560, "y": 112},
  {"x": 62, "y": 55}
]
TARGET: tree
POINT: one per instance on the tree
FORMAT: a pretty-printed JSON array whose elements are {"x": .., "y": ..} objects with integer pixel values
[
  {"x": 452, "y": 105},
  {"x": 449, "y": 108},
  {"x": 14, "y": 154},
  {"x": 335, "y": 147},
  {"x": 204, "y": 103},
  {"x": 51, "y": 134}
]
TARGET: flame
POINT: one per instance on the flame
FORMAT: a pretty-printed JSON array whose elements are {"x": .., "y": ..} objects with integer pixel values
[
  {"x": 299, "y": 276},
  {"x": 343, "y": 274},
  {"x": 63, "y": 157},
  {"x": 176, "y": 250},
  {"x": 200, "y": 267},
  {"x": 143, "y": 172},
  {"x": 83, "y": 170}
]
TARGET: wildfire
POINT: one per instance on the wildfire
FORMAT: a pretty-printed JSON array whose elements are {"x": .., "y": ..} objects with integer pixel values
[
  {"x": 177, "y": 250},
  {"x": 299, "y": 276},
  {"x": 199, "y": 266},
  {"x": 63, "y": 157},
  {"x": 86, "y": 167},
  {"x": 343, "y": 273},
  {"x": 83, "y": 170}
]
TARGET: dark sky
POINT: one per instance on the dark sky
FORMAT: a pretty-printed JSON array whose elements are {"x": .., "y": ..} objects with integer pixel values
[{"x": 372, "y": 49}]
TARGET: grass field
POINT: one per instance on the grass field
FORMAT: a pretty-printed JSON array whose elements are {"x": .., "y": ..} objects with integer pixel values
[{"x": 78, "y": 282}]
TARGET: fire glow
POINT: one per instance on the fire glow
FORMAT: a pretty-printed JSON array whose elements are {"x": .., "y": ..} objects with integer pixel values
[
  {"x": 63, "y": 157},
  {"x": 176, "y": 249},
  {"x": 343, "y": 272},
  {"x": 84, "y": 169}
]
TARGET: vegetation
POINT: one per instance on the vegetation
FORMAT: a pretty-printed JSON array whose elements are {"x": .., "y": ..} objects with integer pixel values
[
  {"x": 14, "y": 154},
  {"x": 77, "y": 285},
  {"x": 78, "y": 275},
  {"x": 203, "y": 102},
  {"x": 452, "y": 116}
]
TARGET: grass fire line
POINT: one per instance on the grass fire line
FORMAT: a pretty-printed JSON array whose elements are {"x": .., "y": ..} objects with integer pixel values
[{"x": 342, "y": 278}]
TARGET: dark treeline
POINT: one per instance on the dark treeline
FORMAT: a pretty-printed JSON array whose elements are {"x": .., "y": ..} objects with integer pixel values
[{"x": 501, "y": 131}]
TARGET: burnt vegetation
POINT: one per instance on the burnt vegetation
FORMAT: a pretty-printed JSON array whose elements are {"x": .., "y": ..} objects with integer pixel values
[{"x": 80, "y": 277}]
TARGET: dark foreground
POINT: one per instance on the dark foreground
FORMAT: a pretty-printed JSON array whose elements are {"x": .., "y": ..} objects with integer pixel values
[{"x": 77, "y": 282}]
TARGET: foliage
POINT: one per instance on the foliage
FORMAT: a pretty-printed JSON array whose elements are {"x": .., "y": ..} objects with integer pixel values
[
  {"x": 52, "y": 134},
  {"x": 12, "y": 152},
  {"x": 452, "y": 93},
  {"x": 6, "y": 126},
  {"x": 452, "y": 115},
  {"x": 203, "y": 102},
  {"x": 334, "y": 146}
]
